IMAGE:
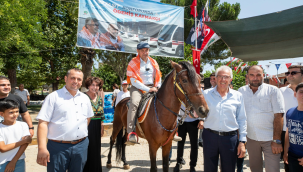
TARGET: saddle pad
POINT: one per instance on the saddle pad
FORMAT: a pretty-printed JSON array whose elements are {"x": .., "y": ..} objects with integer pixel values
[
  {"x": 144, "y": 106},
  {"x": 144, "y": 110}
]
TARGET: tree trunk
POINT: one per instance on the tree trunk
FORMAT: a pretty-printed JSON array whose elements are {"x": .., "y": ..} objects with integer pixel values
[
  {"x": 121, "y": 80},
  {"x": 87, "y": 61},
  {"x": 11, "y": 73},
  {"x": 55, "y": 83}
]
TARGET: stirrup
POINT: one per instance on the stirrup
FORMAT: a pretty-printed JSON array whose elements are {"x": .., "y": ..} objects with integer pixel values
[{"x": 132, "y": 143}]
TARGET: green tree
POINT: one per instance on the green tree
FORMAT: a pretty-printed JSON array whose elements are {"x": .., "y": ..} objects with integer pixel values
[
  {"x": 217, "y": 12},
  {"x": 60, "y": 30},
  {"x": 117, "y": 61},
  {"x": 20, "y": 33},
  {"x": 107, "y": 74},
  {"x": 238, "y": 78}
]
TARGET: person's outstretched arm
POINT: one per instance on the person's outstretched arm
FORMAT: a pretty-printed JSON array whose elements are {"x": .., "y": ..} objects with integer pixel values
[{"x": 11, "y": 146}]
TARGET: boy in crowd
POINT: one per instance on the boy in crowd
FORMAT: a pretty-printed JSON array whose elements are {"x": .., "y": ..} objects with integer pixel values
[
  {"x": 293, "y": 148},
  {"x": 14, "y": 138}
]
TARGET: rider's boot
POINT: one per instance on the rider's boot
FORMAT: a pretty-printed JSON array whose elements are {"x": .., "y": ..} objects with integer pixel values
[{"x": 177, "y": 138}]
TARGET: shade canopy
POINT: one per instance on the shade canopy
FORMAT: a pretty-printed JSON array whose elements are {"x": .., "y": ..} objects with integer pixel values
[{"x": 272, "y": 36}]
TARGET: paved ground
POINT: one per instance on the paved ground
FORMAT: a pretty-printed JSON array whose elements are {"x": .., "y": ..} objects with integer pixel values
[{"x": 137, "y": 156}]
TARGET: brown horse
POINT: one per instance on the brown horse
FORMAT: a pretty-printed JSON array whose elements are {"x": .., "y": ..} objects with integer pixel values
[{"x": 182, "y": 84}]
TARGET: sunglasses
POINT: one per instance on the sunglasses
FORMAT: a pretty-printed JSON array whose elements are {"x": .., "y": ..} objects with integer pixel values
[{"x": 292, "y": 73}]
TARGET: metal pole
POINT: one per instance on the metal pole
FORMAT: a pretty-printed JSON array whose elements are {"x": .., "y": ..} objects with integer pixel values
[
  {"x": 196, "y": 27},
  {"x": 278, "y": 79}
]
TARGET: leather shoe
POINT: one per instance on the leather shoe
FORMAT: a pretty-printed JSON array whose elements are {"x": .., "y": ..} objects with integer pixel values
[
  {"x": 192, "y": 169},
  {"x": 177, "y": 167},
  {"x": 183, "y": 161}
]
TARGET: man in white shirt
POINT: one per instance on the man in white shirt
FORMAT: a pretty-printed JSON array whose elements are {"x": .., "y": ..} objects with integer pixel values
[
  {"x": 264, "y": 108},
  {"x": 144, "y": 74},
  {"x": 124, "y": 93},
  {"x": 63, "y": 120},
  {"x": 23, "y": 93},
  {"x": 294, "y": 76}
]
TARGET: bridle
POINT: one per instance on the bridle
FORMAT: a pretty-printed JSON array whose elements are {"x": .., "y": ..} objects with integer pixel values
[{"x": 178, "y": 85}]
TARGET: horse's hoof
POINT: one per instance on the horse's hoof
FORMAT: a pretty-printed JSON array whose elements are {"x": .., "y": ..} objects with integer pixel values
[
  {"x": 108, "y": 165},
  {"x": 126, "y": 167}
]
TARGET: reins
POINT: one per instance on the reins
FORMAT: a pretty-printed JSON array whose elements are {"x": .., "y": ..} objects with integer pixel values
[{"x": 180, "y": 88}]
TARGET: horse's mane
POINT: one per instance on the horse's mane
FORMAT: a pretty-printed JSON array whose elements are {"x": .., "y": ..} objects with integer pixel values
[{"x": 191, "y": 72}]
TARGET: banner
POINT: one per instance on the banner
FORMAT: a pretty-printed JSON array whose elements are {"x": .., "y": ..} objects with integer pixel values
[
  {"x": 196, "y": 60},
  {"x": 119, "y": 25}
]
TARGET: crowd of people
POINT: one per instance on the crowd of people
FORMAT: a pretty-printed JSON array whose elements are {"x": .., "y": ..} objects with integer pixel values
[{"x": 265, "y": 120}]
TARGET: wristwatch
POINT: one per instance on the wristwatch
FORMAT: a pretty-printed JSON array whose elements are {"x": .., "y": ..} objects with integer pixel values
[
  {"x": 31, "y": 128},
  {"x": 244, "y": 142},
  {"x": 277, "y": 141}
]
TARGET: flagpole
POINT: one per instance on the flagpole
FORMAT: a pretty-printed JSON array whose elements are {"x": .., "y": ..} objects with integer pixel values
[
  {"x": 196, "y": 28},
  {"x": 278, "y": 78}
]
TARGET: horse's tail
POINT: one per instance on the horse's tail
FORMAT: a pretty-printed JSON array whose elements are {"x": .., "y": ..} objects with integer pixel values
[{"x": 119, "y": 146}]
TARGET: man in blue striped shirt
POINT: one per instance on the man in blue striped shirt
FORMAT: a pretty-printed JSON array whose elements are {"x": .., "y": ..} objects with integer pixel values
[{"x": 226, "y": 118}]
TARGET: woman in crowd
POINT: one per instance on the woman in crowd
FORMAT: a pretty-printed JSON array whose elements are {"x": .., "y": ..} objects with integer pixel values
[
  {"x": 93, "y": 163},
  {"x": 116, "y": 91}
]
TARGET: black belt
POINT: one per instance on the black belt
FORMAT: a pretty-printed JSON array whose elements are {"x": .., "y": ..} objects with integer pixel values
[{"x": 221, "y": 133}]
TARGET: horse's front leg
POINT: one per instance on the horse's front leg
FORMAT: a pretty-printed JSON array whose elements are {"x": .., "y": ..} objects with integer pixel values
[
  {"x": 153, "y": 153},
  {"x": 165, "y": 156}
]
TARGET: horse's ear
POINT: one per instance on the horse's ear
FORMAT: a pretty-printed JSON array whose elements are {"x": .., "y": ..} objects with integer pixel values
[{"x": 176, "y": 66}]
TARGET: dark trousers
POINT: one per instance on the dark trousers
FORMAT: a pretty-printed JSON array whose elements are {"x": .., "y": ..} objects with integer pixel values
[
  {"x": 240, "y": 162},
  {"x": 192, "y": 130},
  {"x": 215, "y": 145},
  {"x": 65, "y": 156},
  {"x": 293, "y": 163},
  {"x": 93, "y": 163},
  {"x": 282, "y": 153}
]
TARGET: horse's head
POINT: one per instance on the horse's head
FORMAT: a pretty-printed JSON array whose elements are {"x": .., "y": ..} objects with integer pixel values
[{"x": 187, "y": 88}]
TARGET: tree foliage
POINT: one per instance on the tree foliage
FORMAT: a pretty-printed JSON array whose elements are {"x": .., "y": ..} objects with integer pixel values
[
  {"x": 217, "y": 12},
  {"x": 60, "y": 30},
  {"x": 238, "y": 78},
  {"x": 20, "y": 33},
  {"x": 107, "y": 74},
  {"x": 118, "y": 62}
]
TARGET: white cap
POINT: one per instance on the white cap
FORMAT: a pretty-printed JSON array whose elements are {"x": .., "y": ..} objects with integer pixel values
[{"x": 124, "y": 82}]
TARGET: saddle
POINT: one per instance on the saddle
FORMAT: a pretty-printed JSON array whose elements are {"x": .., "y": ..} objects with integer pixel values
[
  {"x": 144, "y": 105},
  {"x": 142, "y": 111}
]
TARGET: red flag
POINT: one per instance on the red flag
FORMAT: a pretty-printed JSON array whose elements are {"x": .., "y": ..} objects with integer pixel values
[
  {"x": 196, "y": 60},
  {"x": 241, "y": 68},
  {"x": 287, "y": 65},
  {"x": 192, "y": 7},
  {"x": 230, "y": 61}
]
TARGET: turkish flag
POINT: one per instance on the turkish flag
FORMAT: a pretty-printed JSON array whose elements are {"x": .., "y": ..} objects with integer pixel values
[
  {"x": 192, "y": 7},
  {"x": 196, "y": 60},
  {"x": 287, "y": 65}
]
